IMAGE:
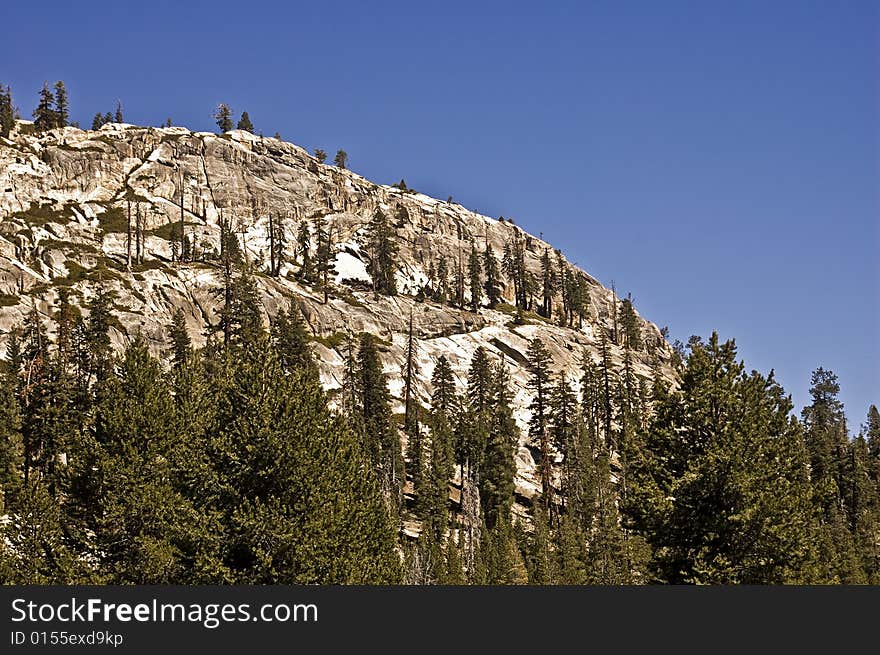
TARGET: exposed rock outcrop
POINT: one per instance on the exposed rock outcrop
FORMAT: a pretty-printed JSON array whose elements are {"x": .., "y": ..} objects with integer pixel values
[{"x": 64, "y": 196}]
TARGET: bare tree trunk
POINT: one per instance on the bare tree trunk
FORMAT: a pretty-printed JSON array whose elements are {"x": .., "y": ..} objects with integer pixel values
[
  {"x": 137, "y": 234},
  {"x": 272, "y": 271},
  {"x": 182, "y": 229},
  {"x": 614, "y": 311},
  {"x": 128, "y": 236},
  {"x": 326, "y": 264}
]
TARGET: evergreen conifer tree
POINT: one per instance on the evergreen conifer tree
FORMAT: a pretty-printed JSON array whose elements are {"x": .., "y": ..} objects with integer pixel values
[
  {"x": 7, "y": 111},
  {"x": 11, "y": 446},
  {"x": 291, "y": 343},
  {"x": 302, "y": 502},
  {"x": 244, "y": 123},
  {"x": 492, "y": 283},
  {"x": 720, "y": 487},
  {"x": 223, "y": 117},
  {"x": 474, "y": 278},
  {"x": 539, "y": 383},
  {"x": 498, "y": 467},
  {"x": 45, "y": 116},
  {"x": 62, "y": 106},
  {"x": 548, "y": 284},
  {"x": 33, "y": 546},
  {"x": 383, "y": 249},
  {"x": 630, "y": 325},
  {"x": 178, "y": 335},
  {"x": 827, "y": 444},
  {"x": 443, "y": 385},
  {"x": 304, "y": 249},
  {"x": 380, "y": 434},
  {"x": 325, "y": 256},
  {"x": 441, "y": 284},
  {"x": 409, "y": 371}
]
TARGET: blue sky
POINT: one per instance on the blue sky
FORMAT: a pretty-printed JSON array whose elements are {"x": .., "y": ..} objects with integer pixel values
[{"x": 718, "y": 160}]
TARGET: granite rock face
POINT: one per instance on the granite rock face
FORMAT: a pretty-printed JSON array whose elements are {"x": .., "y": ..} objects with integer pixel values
[{"x": 64, "y": 198}]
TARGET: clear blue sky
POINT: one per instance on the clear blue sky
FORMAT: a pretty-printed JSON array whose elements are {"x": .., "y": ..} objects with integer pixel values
[{"x": 719, "y": 160}]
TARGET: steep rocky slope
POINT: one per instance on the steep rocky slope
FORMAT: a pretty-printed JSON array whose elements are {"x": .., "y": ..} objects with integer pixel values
[{"x": 63, "y": 202}]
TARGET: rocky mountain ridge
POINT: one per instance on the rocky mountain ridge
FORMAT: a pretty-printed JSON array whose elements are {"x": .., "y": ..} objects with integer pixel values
[{"x": 64, "y": 198}]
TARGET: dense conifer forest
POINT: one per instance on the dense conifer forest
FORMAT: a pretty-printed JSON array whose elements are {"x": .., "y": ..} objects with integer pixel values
[{"x": 226, "y": 464}]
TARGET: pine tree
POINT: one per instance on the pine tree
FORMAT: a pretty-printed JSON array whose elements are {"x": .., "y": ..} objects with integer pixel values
[
  {"x": 614, "y": 556},
  {"x": 303, "y": 510},
  {"x": 453, "y": 574},
  {"x": 481, "y": 384},
  {"x": 539, "y": 382},
  {"x": 223, "y": 117},
  {"x": 474, "y": 278},
  {"x": 863, "y": 509},
  {"x": 325, "y": 256},
  {"x": 548, "y": 284},
  {"x": 563, "y": 276},
  {"x": 825, "y": 435},
  {"x": 515, "y": 268},
  {"x": 562, "y": 413},
  {"x": 380, "y": 434},
  {"x": 62, "y": 107},
  {"x": 33, "y": 546},
  {"x": 571, "y": 552},
  {"x": 383, "y": 249},
  {"x": 459, "y": 282},
  {"x": 244, "y": 123},
  {"x": 277, "y": 233},
  {"x": 97, "y": 333},
  {"x": 501, "y": 556},
  {"x": 579, "y": 485},
  {"x": 434, "y": 485},
  {"x": 246, "y": 321},
  {"x": 606, "y": 371},
  {"x": 304, "y": 249},
  {"x": 66, "y": 318},
  {"x": 827, "y": 444},
  {"x": 498, "y": 467},
  {"x": 320, "y": 155},
  {"x": 579, "y": 299},
  {"x": 11, "y": 445},
  {"x": 630, "y": 325},
  {"x": 230, "y": 260},
  {"x": 178, "y": 335},
  {"x": 720, "y": 487},
  {"x": 441, "y": 288},
  {"x": 291, "y": 343},
  {"x": 136, "y": 509},
  {"x": 45, "y": 117},
  {"x": 872, "y": 434},
  {"x": 443, "y": 385},
  {"x": 492, "y": 284},
  {"x": 542, "y": 563},
  {"x": 7, "y": 111},
  {"x": 117, "y": 116},
  {"x": 341, "y": 159},
  {"x": 591, "y": 405},
  {"x": 409, "y": 371}
]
